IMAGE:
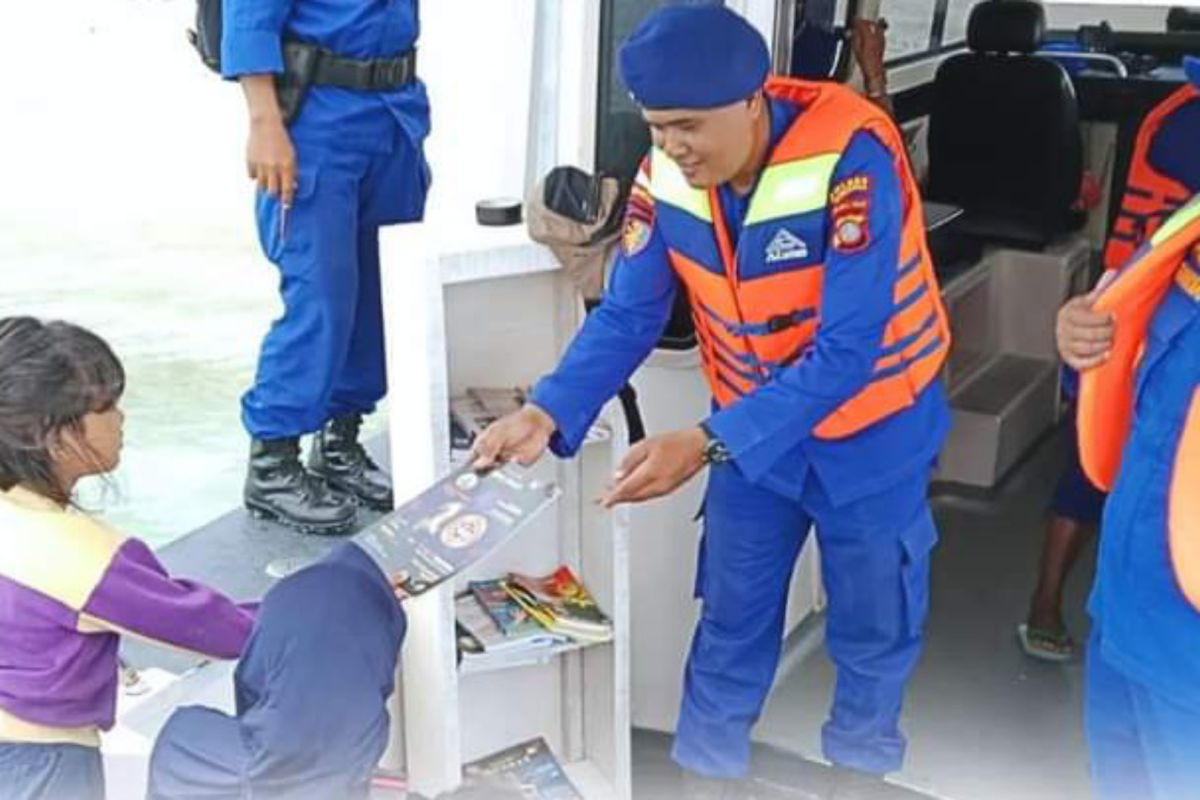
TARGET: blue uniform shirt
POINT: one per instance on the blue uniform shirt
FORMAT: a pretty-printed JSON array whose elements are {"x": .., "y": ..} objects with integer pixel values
[
  {"x": 769, "y": 432},
  {"x": 253, "y": 31},
  {"x": 1148, "y": 629}
]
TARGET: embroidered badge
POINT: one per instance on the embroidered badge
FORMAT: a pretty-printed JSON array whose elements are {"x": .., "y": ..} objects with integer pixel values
[
  {"x": 850, "y": 206},
  {"x": 639, "y": 221},
  {"x": 850, "y": 236},
  {"x": 856, "y": 184},
  {"x": 635, "y": 236},
  {"x": 785, "y": 246}
]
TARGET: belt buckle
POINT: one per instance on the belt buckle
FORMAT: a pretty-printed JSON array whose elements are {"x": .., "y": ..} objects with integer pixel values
[
  {"x": 378, "y": 73},
  {"x": 388, "y": 72}
]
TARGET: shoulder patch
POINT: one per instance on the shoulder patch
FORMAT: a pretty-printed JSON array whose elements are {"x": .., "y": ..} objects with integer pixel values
[
  {"x": 845, "y": 190},
  {"x": 850, "y": 212},
  {"x": 635, "y": 236},
  {"x": 639, "y": 221}
]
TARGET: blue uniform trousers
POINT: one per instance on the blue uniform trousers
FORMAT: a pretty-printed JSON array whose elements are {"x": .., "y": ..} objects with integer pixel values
[
  {"x": 875, "y": 565},
  {"x": 324, "y": 357},
  {"x": 1143, "y": 744},
  {"x": 50, "y": 772}
]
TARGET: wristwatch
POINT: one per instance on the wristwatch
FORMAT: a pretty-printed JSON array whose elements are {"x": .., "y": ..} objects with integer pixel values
[{"x": 715, "y": 451}]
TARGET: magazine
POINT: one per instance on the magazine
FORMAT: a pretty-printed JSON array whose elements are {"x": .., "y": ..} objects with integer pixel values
[
  {"x": 478, "y": 624},
  {"x": 561, "y": 604},
  {"x": 512, "y": 620},
  {"x": 454, "y": 523},
  {"x": 527, "y": 771}
]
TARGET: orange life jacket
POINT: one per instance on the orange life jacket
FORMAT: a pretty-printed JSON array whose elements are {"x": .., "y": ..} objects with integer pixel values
[
  {"x": 751, "y": 323},
  {"x": 1150, "y": 196},
  {"x": 1106, "y": 393},
  {"x": 1183, "y": 516}
]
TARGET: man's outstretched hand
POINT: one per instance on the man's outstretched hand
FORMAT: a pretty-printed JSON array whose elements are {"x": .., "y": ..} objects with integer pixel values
[{"x": 657, "y": 466}]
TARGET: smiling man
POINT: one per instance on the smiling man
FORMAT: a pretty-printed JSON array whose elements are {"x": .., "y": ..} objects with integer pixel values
[{"x": 788, "y": 213}]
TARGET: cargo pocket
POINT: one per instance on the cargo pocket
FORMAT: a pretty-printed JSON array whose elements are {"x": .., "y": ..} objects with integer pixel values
[
  {"x": 274, "y": 235},
  {"x": 916, "y": 543}
]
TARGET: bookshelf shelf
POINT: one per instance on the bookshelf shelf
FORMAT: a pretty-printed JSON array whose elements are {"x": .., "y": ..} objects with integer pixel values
[
  {"x": 502, "y": 322},
  {"x": 484, "y": 664}
]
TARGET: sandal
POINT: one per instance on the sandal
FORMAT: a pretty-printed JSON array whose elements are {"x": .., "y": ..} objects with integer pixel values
[{"x": 1047, "y": 645}]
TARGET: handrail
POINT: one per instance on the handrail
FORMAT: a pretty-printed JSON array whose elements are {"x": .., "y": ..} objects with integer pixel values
[{"x": 1118, "y": 66}]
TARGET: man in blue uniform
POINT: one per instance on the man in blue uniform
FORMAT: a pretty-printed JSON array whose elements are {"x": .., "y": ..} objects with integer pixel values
[
  {"x": 1165, "y": 153},
  {"x": 350, "y": 161},
  {"x": 698, "y": 73},
  {"x": 1142, "y": 710}
]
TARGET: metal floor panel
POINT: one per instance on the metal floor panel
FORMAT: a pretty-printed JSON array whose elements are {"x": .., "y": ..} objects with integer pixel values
[{"x": 776, "y": 775}]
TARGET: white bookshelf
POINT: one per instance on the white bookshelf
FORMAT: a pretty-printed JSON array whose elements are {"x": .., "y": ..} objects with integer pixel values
[{"x": 471, "y": 306}]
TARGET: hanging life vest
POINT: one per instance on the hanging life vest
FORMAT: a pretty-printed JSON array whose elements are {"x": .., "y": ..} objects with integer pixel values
[
  {"x": 756, "y": 307},
  {"x": 1106, "y": 395},
  {"x": 1150, "y": 196}
]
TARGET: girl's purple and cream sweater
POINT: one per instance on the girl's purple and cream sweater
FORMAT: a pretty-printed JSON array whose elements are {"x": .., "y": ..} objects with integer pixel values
[{"x": 69, "y": 587}]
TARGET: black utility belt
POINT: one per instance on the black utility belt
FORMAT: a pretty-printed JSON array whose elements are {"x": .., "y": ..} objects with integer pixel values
[{"x": 321, "y": 67}]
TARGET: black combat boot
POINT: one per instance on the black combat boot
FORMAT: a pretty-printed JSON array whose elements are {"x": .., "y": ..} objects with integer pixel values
[
  {"x": 278, "y": 488},
  {"x": 338, "y": 457}
]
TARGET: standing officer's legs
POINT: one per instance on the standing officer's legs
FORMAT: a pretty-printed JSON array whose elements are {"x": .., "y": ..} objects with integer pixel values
[
  {"x": 393, "y": 190},
  {"x": 875, "y": 565},
  {"x": 362, "y": 380},
  {"x": 316, "y": 251},
  {"x": 1116, "y": 751},
  {"x": 751, "y": 539},
  {"x": 1141, "y": 743}
]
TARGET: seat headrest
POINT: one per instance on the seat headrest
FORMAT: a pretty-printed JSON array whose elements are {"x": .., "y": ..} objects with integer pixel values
[{"x": 1006, "y": 26}]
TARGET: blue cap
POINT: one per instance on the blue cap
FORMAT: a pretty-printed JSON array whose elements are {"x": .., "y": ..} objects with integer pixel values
[
  {"x": 1191, "y": 65},
  {"x": 695, "y": 56}
]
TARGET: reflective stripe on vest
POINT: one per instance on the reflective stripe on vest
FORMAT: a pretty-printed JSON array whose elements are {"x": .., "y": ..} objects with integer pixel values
[
  {"x": 1150, "y": 196},
  {"x": 749, "y": 328},
  {"x": 1105, "y": 405}
]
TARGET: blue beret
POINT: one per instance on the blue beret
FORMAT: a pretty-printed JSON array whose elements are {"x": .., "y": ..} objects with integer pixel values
[
  {"x": 694, "y": 56},
  {"x": 1191, "y": 65}
]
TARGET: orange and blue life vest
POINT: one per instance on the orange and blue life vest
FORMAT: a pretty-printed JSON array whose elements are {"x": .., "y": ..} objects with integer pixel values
[
  {"x": 756, "y": 303},
  {"x": 1150, "y": 195},
  {"x": 1168, "y": 264}
]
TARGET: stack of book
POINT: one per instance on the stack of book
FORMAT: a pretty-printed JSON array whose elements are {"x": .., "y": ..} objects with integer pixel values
[
  {"x": 473, "y": 411},
  {"x": 518, "y": 618}
]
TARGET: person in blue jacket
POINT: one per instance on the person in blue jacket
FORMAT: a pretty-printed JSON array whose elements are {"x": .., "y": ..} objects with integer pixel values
[
  {"x": 771, "y": 478},
  {"x": 1076, "y": 507},
  {"x": 311, "y": 693},
  {"x": 1142, "y": 704},
  {"x": 349, "y": 162}
]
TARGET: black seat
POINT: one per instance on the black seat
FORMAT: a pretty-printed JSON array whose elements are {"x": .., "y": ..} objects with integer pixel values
[{"x": 1004, "y": 138}]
